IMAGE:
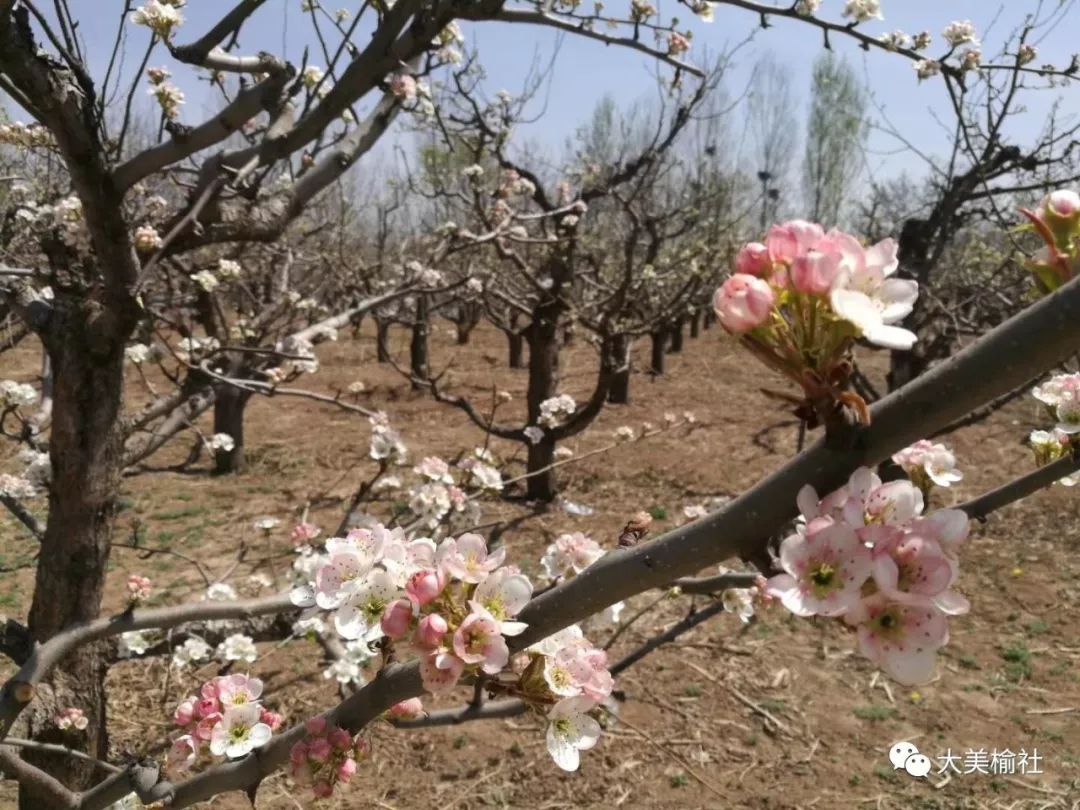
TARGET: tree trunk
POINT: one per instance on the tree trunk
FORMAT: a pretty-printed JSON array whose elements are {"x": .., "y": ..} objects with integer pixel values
[
  {"x": 695, "y": 324},
  {"x": 676, "y": 344},
  {"x": 382, "y": 341},
  {"x": 541, "y": 487},
  {"x": 85, "y": 448},
  {"x": 619, "y": 394},
  {"x": 709, "y": 319},
  {"x": 468, "y": 316},
  {"x": 659, "y": 344},
  {"x": 229, "y": 406},
  {"x": 418, "y": 344},
  {"x": 516, "y": 345},
  {"x": 543, "y": 337}
]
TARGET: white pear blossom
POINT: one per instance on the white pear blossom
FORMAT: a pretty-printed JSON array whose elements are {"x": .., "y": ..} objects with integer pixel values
[
  {"x": 806, "y": 8},
  {"x": 238, "y": 647},
  {"x": 927, "y": 68},
  {"x": 221, "y": 592},
  {"x": 137, "y": 353},
  {"x": 14, "y": 395},
  {"x": 534, "y": 434},
  {"x": 193, "y": 650},
  {"x": 239, "y": 732},
  {"x": 571, "y": 730},
  {"x": 223, "y": 442},
  {"x": 161, "y": 18},
  {"x": 207, "y": 280},
  {"x": 862, "y": 10},
  {"x": 867, "y": 297},
  {"x": 136, "y": 642},
  {"x": 960, "y": 32}
]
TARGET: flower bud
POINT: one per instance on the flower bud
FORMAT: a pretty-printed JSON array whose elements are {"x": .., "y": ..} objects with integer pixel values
[
  {"x": 340, "y": 739},
  {"x": 184, "y": 713},
  {"x": 743, "y": 303},
  {"x": 315, "y": 726},
  {"x": 319, "y": 750},
  {"x": 407, "y": 709},
  {"x": 206, "y": 707},
  {"x": 425, "y": 586},
  {"x": 430, "y": 631},
  {"x": 1061, "y": 212},
  {"x": 753, "y": 260},
  {"x": 396, "y": 618},
  {"x": 815, "y": 272},
  {"x": 346, "y": 769}
]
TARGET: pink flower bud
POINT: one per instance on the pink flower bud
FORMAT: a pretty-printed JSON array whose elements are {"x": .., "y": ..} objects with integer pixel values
[
  {"x": 430, "y": 631},
  {"x": 815, "y": 272},
  {"x": 340, "y": 739},
  {"x": 272, "y": 719},
  {"x": 424, "y": 586},
  {"x": 319, "y": 750},
  {"x": 753, "y": 260},
  {"x": 205, "y": 729},
  {"x": 1063, "y": 204},
  {"x": 207, "y": 707},
  {"x": 346, "y": 769},
  {"x": 315, "y": 726},
  {"x": 185, "y": 712},
  {"x": 743, "y": 302},
  {"x": 210, "y": 689},
  {"x": 322, "y": 789},
  {"x": 396, "y": 618},
  {"x": 407, "y": 709}
]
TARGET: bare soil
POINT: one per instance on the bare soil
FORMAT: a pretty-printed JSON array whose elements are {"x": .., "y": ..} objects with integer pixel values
[{"x": 1009, "y": 678}]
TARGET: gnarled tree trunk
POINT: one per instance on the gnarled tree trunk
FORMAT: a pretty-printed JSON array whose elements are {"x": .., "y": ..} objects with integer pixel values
[
  {"x": 658, "y": 343},
  {"x": 229, "y": 406},
  {"x": 85, "y": 447},
  {"x": 676, "y": 344},
  {"x": 619, "y": 393}
]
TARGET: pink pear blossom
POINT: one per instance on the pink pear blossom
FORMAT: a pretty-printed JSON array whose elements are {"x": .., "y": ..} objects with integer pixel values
[
  {"x": 753, "y": 260},
  {"x": 815, "y": 272},
  {"x": 467, "y": 558},
  {"x": 788, "y": 241},
  {"x": 503, "y": 594},
  {"x": 911, "y": 569},
  {"x": 236, "y": 690},
  {"x": 303, "y": 533},
  {"x": 181, "y": 754},
  {"x": 396, "y": 618},
  {"x": 138, "y": 588},
  {"x": 743, "y": 302},
  {"x": 319, "y": 750},
  {"x": 431, "y": 630},
  {"x": 315, "y": 726},
  {"x": 868, "y": 298},
  {"x": 824, "y": 571},
  {"x": 570, "y": 554},
  {"x": 440, "y": 671},
  {"x": 926, "y": 460},
  {"x": 571, "y": 730},
  {"x": 901, "y": 639},
  {"x": 340, "y": 739},
  {"x": 270, "y": 718},
  {"x": 478, "y": 641},
  {"x": 184, "y": 713},
  {"x": 346, "y": 770}
]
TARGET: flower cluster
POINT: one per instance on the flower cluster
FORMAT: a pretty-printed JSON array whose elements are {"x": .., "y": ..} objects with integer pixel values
[
  {"x": 27, "y": 136},
  {"x": 138, "y": 589},
  {"x": 453, "y": 605},
  {"x": 160, "y": 16},
  {"x": 326, "y": 757},
  {"x": 15, "y": 395},
  {"x": 927, "y": 464},
  {"x": 556, "y": 410},
  {"x": 801, "y": 298},
  {"x": 868, "y": 554},
  {"x": 1061, "y": 397},
  {"x": 226, "y": 719},
  {"x": 1057, "y": 222},
  {"x": 168, "y": 95},
  {"x": 71, "y": 719},
  {"x": 862, "y": 10}
]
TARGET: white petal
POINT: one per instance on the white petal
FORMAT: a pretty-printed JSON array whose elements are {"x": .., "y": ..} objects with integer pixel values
[
  {"x": 910, "y": 667},
  {"x": 302, "y": 596},
  {"x": 891, "y": 337},
  {"x": 898, "y": 296},
  {"x": 566, "y": 756},
  {"x": 857, "y": 308}
]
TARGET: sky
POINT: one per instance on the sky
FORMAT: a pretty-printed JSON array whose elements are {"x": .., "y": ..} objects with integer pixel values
[{"x": 587, "y": 70}]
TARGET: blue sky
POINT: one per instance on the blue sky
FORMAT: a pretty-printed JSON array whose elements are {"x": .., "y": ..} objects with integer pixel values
[{"x": 587, "y": 70}]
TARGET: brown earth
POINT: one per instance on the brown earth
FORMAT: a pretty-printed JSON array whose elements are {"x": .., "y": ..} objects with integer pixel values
[{"x": 1009, "y": 678}]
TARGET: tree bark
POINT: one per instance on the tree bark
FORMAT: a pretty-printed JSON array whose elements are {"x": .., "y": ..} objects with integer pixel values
[
  {"x": 709, "y": 319},
  {"x": 695, "y": 324},
  {"x": 516, "y": 350},
  {"x": 659, "y": 344},
  {"x": 676, "y": 344},
  {"x": 418, "y": 344},
  {"x": 468, "y": 316},
  {"x": 85, "y": 448},
  {"x": 543, "y": 337},
  {"x": 620, "y": 384},
  {"x": 229, "y": 406},
  {"x": 382, "y": 340}
]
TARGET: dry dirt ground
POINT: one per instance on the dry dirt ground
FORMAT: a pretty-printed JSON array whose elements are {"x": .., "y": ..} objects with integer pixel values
[{"x": 1009, "y": 679}]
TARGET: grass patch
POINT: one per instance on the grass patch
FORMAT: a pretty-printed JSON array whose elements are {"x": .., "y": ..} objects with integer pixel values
[
  {"x": 1017, "y": 659},
  {"x": 874, "y": 712}
]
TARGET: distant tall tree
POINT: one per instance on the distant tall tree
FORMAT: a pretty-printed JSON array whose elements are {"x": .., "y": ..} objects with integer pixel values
[
  {"x": 772, "y": 130},
  {"x": 835, "y": 132}
]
